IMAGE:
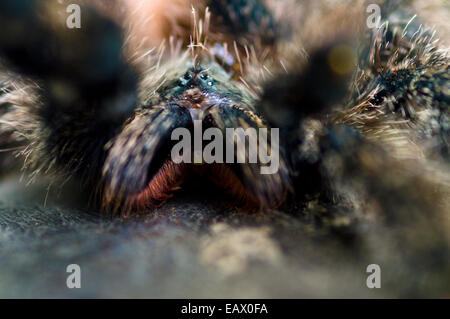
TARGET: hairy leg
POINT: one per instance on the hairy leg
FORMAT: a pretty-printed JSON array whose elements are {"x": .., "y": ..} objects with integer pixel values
[{"x": 82, "y": 86}]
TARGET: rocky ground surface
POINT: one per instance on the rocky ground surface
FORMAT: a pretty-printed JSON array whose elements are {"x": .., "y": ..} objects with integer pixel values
[{"x": 200, "y": 249}]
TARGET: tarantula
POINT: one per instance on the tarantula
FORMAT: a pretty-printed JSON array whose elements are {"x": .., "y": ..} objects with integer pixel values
[{"x": 360, "y": 111}]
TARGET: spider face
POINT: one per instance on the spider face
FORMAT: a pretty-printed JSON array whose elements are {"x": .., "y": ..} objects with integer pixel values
[{"x": 203, "y": 98}]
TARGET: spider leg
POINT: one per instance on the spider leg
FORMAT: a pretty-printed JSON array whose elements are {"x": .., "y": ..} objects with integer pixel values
[
  {"x": 327, "y": 158},
  {"x": 250, "y": 19},
  {"x": 84, "y": 86},
  {"x": 407, "y": 76},
  {"x": 295, "y": 103}
]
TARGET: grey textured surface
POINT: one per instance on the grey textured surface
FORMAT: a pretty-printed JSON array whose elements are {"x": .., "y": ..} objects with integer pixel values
[{"x": 190, "y": 249}]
